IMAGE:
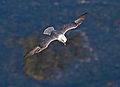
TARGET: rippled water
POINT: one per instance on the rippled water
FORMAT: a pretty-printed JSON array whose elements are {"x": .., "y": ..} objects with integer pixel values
[{"x": 93, "y": 61}]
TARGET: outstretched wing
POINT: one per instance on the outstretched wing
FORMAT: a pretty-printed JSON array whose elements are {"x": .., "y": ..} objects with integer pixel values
[
  {"x": 74, "y": 24},
  {"x": 43, "y": 45}
]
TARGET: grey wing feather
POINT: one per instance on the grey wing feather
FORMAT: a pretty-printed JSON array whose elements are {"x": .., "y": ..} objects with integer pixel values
[
  {"x": 47, "y": 41},
  {"x": 74, "y": 24},
  {"x": 48, "y": 30},
  {"x": 43, "y": 45},
  {"x": 33, "y": 51}
]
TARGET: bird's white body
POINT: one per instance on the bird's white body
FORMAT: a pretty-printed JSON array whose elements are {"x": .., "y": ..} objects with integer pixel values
[{"x": 62, "y": 38}]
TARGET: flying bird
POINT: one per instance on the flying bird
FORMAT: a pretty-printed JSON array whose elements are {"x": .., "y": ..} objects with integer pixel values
[{"x": 55, "y": 35}]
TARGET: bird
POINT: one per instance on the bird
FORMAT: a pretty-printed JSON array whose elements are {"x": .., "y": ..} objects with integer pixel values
[{"x": 53, "y": 34}]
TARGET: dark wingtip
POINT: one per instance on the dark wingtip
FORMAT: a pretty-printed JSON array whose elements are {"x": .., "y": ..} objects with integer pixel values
[
  {"x": 32, "y": 52},
  {"x": 80, "y": 19},
  {"x": 27, "y": 55},
  {"x": 84, "y": 14}
]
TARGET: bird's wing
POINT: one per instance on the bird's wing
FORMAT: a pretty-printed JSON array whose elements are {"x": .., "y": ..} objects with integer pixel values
[
  {"x": 73, "y": 24},
  {"x": 43, "y": 45}
]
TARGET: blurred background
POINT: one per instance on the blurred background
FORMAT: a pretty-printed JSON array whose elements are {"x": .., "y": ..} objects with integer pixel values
[{"x": 90, "y": 59}]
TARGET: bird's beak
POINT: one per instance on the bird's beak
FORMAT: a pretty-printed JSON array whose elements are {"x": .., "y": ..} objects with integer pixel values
[{"x": 64, "y": 43}]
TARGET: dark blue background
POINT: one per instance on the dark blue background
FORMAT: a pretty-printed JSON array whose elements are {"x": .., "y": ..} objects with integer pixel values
[{"x": 21, "y": 18}]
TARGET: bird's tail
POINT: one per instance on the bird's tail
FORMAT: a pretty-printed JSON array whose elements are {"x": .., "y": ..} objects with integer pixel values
[{"x": 80, "y": 19}]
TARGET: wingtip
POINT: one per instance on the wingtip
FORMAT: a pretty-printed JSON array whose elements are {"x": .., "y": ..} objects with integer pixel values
[
  {"x": 81, "y": 18},
  {"x": 32, "y": 52},
  {"x": 28, "y": 55},
  {"x": 84, "y": 14}
]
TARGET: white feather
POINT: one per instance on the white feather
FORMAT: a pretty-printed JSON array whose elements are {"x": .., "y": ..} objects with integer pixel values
[{"x": 48, "y": 30}]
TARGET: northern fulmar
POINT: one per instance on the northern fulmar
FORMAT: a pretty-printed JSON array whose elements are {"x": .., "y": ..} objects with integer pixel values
[{"x": 55, "y": 35}]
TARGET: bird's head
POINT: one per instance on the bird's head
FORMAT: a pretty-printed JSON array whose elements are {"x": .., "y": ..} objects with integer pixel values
[{"x": 62, "y": 38}]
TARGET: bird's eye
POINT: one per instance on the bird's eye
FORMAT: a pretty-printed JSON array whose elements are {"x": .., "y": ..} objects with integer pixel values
[{"x": 62, "y": 39}]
